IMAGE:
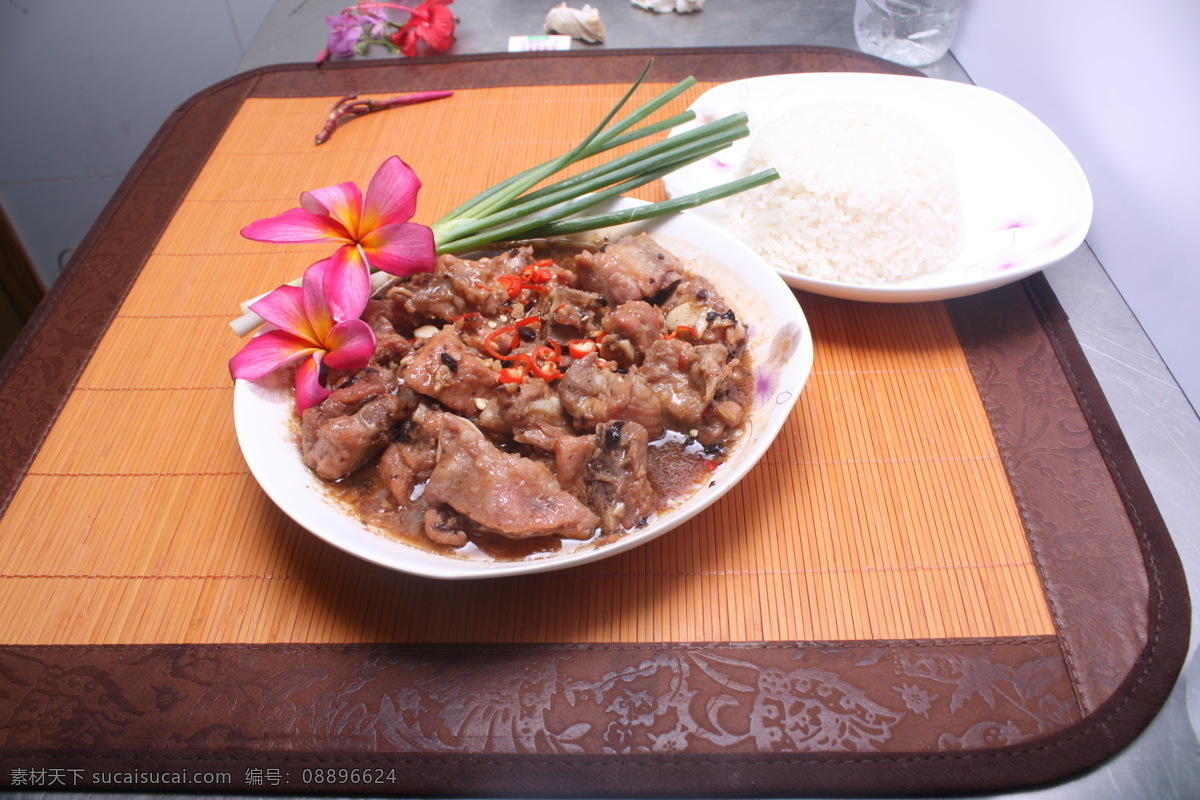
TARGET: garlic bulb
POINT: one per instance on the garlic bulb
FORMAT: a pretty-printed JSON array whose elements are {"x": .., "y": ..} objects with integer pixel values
[{"x": 583, "y": 24}]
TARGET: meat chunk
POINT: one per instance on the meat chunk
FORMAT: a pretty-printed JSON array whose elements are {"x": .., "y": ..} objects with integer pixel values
[
  {"x": 695, "y": 303},
  {"x": 608, "y": 471},
  {"x": 390, "y": 346},
  {"x": 593, "y": 394},
  {"x": 720, "y": 417},
  {"x": 410, "y": 454},
  {"x": 637, "y": 321},
  {"x": 573, "y": 308},
  {"x": 571, "y": 454},
  {"x": 529, "y": 413},
  {"x": 458, "y": 286},
  {"x": 631, "y": 268},
  {"x": 426, "y": 296},
  {"x": 442, "y": 368},
  {"x": 686, "y": 378},
  {"x": 350, "y": 427},
  {"x": 443, "y": 526},
  {"x": 501, "y": 492},
  {"x": 475, "y": 281}
]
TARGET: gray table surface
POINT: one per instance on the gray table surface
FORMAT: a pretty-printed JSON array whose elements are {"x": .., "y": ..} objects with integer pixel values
[{"x": 1158, "y": 421}]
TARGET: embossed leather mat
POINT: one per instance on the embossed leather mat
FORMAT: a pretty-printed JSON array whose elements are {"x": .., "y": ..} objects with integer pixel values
[{"x": 947, "y": 575}]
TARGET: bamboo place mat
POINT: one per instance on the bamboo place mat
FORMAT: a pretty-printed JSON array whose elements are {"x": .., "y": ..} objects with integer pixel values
[
  {"x": 883, "y": 512},
  {"x": 947, "y": 554}
]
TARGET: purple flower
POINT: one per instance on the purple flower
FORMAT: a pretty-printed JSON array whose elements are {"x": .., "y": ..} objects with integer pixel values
[
  {"x": 377, "y": 20},
  {"x": 344, "y": 32}
]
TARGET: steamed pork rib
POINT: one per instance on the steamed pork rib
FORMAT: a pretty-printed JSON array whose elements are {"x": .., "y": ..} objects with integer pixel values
[
  {"x": 410, "y": 455},
  {"x": 390, "y": 346},
  {"x": 442, "y": 368},
  {"x": 592, "y": 393},
  {"x": 638, "y": 322},
  {"x": 532, "y": 414},
  {"x": 457, "y": 286},
  {"x": 687, "y": 379},
  {"x": 350, "y": 427},
  {"x": 534, "y": 395},
  {"x": 632, "y": 268},
  {"x": 694, "y": 304},
  {"x": 609, "y": 471},
  {"x": 500, "y": 492},
  {"x": 443, "y": 525}
]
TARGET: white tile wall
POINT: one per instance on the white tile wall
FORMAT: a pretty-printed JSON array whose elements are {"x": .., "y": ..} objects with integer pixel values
[{"x": 84, "y": 86}]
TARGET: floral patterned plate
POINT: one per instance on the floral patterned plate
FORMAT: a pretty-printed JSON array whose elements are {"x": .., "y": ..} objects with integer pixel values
[
  {"x": 781, "y": 354},
  {"x": 1025, "y": 200}
]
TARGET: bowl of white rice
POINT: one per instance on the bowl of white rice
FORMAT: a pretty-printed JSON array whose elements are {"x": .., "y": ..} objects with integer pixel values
[
  {"x": 866, "y": 195},
  {"x": 892, "y": 188}
]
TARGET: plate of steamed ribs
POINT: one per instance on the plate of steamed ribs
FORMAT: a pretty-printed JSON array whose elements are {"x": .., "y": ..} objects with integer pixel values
[{"x": 542, "y": 405}]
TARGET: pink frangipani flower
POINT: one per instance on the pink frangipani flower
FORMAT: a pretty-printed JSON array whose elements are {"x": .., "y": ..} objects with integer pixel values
[
  {"x": 317, "y": 323},
  {"x": 373, "y": 230}
]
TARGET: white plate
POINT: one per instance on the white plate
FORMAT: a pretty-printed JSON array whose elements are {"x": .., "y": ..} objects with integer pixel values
[
  {"x": 1025, "y": 200},
  {"x": 781, "y": 352}
]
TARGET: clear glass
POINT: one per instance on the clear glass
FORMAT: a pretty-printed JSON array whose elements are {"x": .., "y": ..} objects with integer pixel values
[{"x": 909, "y": 32}]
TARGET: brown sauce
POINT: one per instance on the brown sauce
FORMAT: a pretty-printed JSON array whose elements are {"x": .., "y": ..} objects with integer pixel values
[{"x": 677, "y": 467}]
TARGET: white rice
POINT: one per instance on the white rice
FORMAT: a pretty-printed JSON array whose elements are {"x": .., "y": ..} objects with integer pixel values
[{"x": 867, "y": 195}]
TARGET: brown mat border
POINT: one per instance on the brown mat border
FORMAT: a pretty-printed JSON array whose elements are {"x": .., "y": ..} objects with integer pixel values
[{"x": 196, "y": 719}]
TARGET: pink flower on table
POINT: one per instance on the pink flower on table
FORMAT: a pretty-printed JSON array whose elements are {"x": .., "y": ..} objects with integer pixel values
[
  {"x": 317, "y": 324},
  {"x": 373, "y": 230}
]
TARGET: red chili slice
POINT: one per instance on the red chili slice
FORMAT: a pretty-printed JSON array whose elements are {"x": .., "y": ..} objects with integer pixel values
[
  {"x": 513, "y": 374},
  {"x": 548, "y": 373},
  {"x": 579, "y": 348},
  {"x": 491, "y": 337},
  {"x": 552, "y": 356},
  {"x": 537, "y": 272},
  {"x": 681, "y": 329},
  {"x": 516, "y": 340},
  {"x": 511, "y": 284}
]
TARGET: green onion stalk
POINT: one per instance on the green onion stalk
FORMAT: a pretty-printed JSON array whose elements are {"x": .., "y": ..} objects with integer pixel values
[{"x": 515, "y": 209}]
